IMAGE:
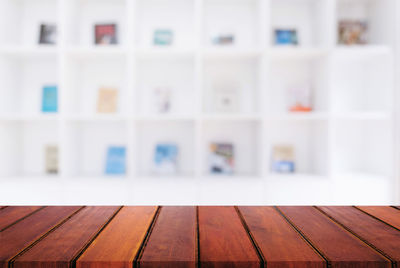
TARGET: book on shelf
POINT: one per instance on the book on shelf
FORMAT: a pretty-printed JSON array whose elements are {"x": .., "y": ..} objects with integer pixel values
[
  {"x": 352, "y": 32},
  {"x": 221, "y": 158},
  {"x": 162, "y": 96},
  {"x": 283, "y": 160},
  {"x": 107, "y": 99},
  {"x": 226, "y": 96},
  {"x": 105, "y": 34},
  {"x": 299, "y": 98},
  {"x": 116, "y": 160},
  {"x": 223, "y": 38},
  {"x": 49, "y": 99},
  {"x": 48, "y": 34},
  {"x": 286, "y": 37},
  {"x": 51, "y": 159},
  {"x": 163, "y": 37},
  {"x": 165, "y": 159}
]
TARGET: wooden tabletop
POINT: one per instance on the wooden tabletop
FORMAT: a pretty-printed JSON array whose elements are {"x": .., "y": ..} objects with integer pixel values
[{"x": 199, "y": 236}]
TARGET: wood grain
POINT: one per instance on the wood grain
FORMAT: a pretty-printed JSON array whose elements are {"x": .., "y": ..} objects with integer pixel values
[
  {"x": 173, "y": 242},
  {"x": 61, "y": 246},
  {"x": 10, "y": 215},
  {"x": 375, "y": 232},
  {"x": 280, "y": 244},
  {"x": 387, "y": 214},
  {"x": 223, "y": 240},
  {"x": 340, "y": 247},
  {"x": 22, "y": 234},
  {"x": 119, "y": 242}
]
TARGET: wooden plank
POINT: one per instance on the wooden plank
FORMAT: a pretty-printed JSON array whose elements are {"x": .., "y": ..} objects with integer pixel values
[
  {"x": 173, "y": 240},
  {"x": 280, "y": 244},
  {"x": 10, "y": 215},
  {"x": 120, "y": 241},
  {"x": 387, "y": 214},
  {"x": 223, "y": 240},
  {"x": 381, "y": 236},
  {"x": 339, "y": 247},
  {"x": 63, "y": 245},
  {"x": 22, "y": 234}
]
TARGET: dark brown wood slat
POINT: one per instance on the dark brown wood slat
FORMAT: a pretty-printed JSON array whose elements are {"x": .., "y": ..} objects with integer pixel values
[
  {"x": 224, "y": 242},
  {"x": 10, "y": 215},
  {"x": 376, "y": 233},
  {"x": 173, "y": 242},
  {"x": 280, "y": 244},
  {"x": 120, "y": 241},
  {"x": 60, "y": 247},
  {"x": 340, "y": 247},
  {"x": 22, "y": 234},
  {"x": 2, "y": 207},
  {"x": 387, "y": 214}
]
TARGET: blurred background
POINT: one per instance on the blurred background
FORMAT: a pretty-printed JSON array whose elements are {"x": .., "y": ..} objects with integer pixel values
[{"x": 199, "y": 102}]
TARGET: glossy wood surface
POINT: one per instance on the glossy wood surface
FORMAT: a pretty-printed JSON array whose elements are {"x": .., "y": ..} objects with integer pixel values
[
  {"x": 61, "y": 246},
  {"x": 187, "y": 236},
  {"x": 378, "y": 234},
  {"x": 387, "y": 214},
  {"x": 10, "y": 215},
  {"x": 25, "y": 232},
  {"x": 120, "y": 241},
  {"x": 280, "y": 243},
  {"x": 339, "y": 247},
  {"x": 173, "y": 240},
  {"x": 223, "y": 240}
]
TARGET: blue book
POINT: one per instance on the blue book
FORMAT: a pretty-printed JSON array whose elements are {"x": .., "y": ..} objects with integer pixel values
[
  {"x": 116, "y": 160},
  {"x": 50, "y": 99},
  {"x": 165, "y": 159},
  {"x": 286, "y": 37}
]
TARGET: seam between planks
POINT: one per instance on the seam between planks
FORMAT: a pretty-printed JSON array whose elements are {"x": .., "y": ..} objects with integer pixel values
[
  {"x": 139, "y": 254},
  {"x": 263, "y": 262},
  {"x": 91, "y": 240},
  {"x": 376, "y": 218},
  {"x": 52, "y": 229},
  {"x": 24, "y": 217},
  {"x": 197, "y": 238},
  {"x": 381, "y": 252},
  {"x": 305, "y": 238}
]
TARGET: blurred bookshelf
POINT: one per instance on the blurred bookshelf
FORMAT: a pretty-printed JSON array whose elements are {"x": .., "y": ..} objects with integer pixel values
[{"x": 350, "y": 132}]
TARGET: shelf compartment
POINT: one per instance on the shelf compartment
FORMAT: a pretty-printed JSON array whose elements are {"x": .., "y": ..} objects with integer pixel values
[
  {"x": 308, "y": 17},
  {"x": 286, "y": 75},
  {"x": 245, "y": 138},
  {"x": 222, "y": 75},
  {"x": 238, "y": 17},
  {"x": 180, "y": 133},
  {"x": 21, "y": 83},
  {"x": 165, "y": 86},
  {"x": 23, "y": 146},
  {"x": 363, "y": 147},
  {"x": 85, "y": 76},
  {"x": 174, "y": 15},
  {"x": 21, "y": 20},
  {"x": 86, "y": 145},
  {"x": 309, "y": 140},
  {"x": 82, "y": 15},
  {"x": 379, "y": 15},
  {"x": 362, "y": 84}
]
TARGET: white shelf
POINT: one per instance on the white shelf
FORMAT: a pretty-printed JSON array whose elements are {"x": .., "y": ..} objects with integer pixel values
[{"x": 353, "y": 99}]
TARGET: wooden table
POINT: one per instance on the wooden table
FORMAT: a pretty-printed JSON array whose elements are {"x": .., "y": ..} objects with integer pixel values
[{"x": 199, "y": 236}]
